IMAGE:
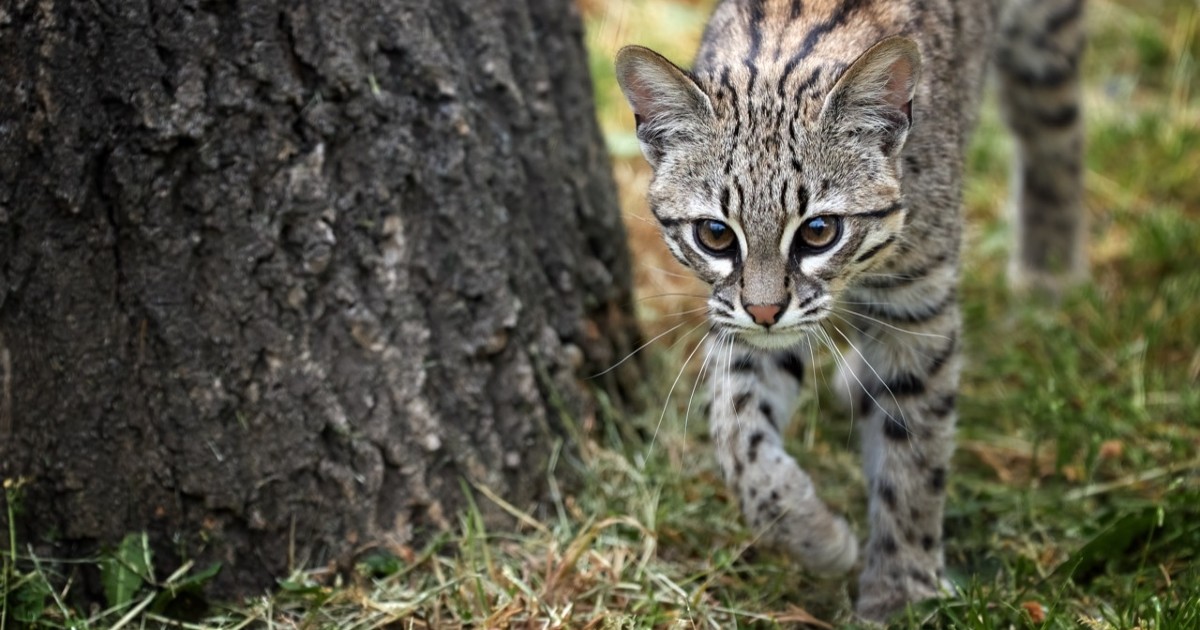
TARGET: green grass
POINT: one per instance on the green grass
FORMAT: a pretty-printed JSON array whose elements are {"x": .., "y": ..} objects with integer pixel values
[{"x": 1075, "y": 499}]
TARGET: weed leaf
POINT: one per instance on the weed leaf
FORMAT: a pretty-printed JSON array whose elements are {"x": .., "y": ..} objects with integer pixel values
[
  {"x": 124, "y": 571},
  {"x": 184, "y": 598},
  {"x": 29, "y": 601},
  {"x": 1111, "y": 544}
]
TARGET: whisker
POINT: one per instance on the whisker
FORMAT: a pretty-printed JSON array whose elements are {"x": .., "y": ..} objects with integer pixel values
[
  {"x": 858, "y": 380},
  {"x": 864, "y": 333},
  {"x": 666, "y": 272},
  {"x": 900, "y": 409},
  {"x": 690, "y": 311},
  {"x": 810, "y": 431},
  {"x": 848, "y": 322},
  {"x": 682, "y": 368},
  {"x": 665, "y": 295},
  {"x": 840, "y": 361},
  {"x": 699, "y": 377},
  {"x": 728, "y": 362},
  {"x": 889, "y": 276},
  {"x": 687, "y": 334},
  {"x": 887, "y": 325},
  {"x": 638, "y": 349}
]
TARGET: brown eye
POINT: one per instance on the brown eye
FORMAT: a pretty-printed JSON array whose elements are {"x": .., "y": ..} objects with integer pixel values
[
  {"x": 715, "y": 237},
  {"x": 819, "y": 233}
]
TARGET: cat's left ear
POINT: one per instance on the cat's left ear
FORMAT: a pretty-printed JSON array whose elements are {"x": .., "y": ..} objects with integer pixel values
[
  {"x": 669, "y": 106},
  {"x": 874, "y": 95}
]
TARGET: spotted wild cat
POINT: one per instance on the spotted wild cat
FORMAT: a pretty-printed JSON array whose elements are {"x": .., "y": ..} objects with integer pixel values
[{"x": 808, "y": 167}]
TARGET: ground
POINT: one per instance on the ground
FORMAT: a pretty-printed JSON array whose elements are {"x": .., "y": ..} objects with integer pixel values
[{"x": 1075, "y": 497}]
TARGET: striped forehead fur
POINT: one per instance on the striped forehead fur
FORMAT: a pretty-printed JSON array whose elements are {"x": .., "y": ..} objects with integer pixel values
[{"x": 789, "y": 52}]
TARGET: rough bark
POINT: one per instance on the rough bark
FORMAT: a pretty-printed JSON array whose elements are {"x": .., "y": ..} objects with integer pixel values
[{"x": 286, "y": 272}]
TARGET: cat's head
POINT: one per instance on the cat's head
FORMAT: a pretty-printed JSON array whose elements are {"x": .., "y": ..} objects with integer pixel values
[{"x": 777, "y": 211}]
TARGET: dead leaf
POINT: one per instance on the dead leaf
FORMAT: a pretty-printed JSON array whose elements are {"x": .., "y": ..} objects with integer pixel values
[
  {"x": 1037, "y": 614},
  {"x": 1014, "y": 464},
  {"x": 1111, "y": 449},
  {"x": 796, "y": 614}
]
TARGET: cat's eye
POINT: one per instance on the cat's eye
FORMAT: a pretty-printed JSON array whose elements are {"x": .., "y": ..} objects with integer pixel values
[
  {"x": 819, "y": 233},
  {"x": 716, "y": 237}
]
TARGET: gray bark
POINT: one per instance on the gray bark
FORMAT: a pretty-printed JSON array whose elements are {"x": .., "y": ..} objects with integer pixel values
[{"x": 281, "y": 271}]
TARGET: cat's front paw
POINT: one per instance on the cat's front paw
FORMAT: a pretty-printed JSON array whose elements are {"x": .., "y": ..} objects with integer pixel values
[
  {"x": 838, "y": 555},
  {"x": 880, "y": 597},
  {"x": 823, "y": 543}
]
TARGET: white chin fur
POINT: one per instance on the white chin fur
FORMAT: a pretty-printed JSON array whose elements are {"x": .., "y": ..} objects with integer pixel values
[{"x": 773, "y": 341}]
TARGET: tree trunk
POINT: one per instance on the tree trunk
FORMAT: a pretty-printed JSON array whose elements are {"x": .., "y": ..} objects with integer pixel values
[{"x": 282, "y": 274}]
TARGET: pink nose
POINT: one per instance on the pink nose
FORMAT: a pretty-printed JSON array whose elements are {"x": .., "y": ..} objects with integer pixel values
[{"x": 764, "y": 314}]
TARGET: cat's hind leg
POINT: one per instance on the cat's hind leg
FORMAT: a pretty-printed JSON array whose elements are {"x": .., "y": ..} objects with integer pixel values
[{"x": 1040, "y": 47}]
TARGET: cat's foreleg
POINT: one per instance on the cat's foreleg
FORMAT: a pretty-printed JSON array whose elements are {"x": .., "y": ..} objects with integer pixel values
[
  {"x": 906, "y": 373},
  {"x": 753, "y": 395}
]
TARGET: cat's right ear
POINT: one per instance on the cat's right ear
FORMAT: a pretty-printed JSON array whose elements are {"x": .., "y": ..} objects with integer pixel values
[
  {"x": 668, "y": 105},
  {"x": 875, "y": 94}
]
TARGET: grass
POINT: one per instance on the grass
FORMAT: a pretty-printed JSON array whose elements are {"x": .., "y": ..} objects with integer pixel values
[{"x": 1075, "y": 498}]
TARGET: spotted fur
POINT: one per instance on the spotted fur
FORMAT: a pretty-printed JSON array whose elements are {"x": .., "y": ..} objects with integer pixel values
[{"x": 803, "y": 116}]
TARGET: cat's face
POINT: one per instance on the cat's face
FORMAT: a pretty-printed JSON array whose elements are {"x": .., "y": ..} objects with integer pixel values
[
  {"x": 777, "y": 243},
  {"x": 777, "y": 217}
]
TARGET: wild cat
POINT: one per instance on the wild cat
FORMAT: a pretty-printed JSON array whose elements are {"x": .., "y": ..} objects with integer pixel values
[{"x": 809, "y": 168}]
